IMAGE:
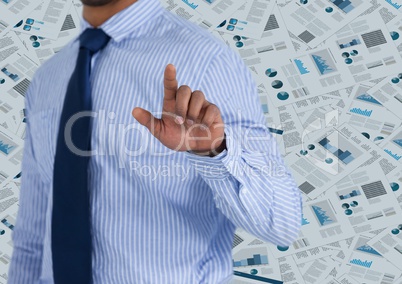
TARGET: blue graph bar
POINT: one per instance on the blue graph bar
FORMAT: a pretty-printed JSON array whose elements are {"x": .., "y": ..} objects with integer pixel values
[
  {"x": 344, "y": 155},
  {"x": 395, "y": 5},
  {"x": 343, "y": 4},
  {"x": 276, "y": 131},
  {"x": 250, "y": 261},
  {"x": 257, "y": 259},
  {"x": 348, "y": 159},
  {"x": 8, "y": 224},
  {"x": 255, "y": 277}
]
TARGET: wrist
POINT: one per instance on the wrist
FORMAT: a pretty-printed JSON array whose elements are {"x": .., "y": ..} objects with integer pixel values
[{"x": 213, "y": 152}]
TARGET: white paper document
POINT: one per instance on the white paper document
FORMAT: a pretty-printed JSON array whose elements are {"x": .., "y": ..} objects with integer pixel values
[
  {"x": 250, "y": 20},
  {"x": 315, "y": 21},
  {"x": 369, "y": 116},
  {"x": 275, "y": 41},
  {"x": 12, "y": 11},
  {"x": 389, "y": 93},
  {"x": 322, "y": 222},
  {"x": 46, "y": 20},
  {"x": 367, "y": 265},
  {"x": 365, "y": 197},
  {"x": 355, "y": 54}
]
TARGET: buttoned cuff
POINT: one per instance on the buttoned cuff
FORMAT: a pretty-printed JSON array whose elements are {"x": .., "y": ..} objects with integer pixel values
[{"x": 219, "y": 166}]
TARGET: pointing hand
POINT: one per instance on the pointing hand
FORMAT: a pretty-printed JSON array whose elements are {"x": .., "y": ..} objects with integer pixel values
[{"x": 188, "y": 122}]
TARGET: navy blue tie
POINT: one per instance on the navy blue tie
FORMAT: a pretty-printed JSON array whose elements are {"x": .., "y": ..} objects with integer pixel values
[{"x": 71, "y": 226}]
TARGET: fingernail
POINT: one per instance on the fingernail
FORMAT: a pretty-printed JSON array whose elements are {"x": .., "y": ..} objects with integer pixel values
[
  {"x": 190, "y": 121},
  {"x": 179, "y": 119}
]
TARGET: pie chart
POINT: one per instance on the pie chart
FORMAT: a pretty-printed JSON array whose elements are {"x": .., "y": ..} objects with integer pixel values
[
  {"x": 354, "y": 52},
  {"x": 277, "y": 84},
  {"x": 354, "y": 203},
  {"x": 395, "y": 80},
  {"x": 348, "y": 61},
  {"x": 282, "y": 248},
  {"x": 271, "y": 72},
  {"x": 378, "y": 138},
  {"x": 303, "y": 1},
  {"x": 348, "y": 212},
  {"x": 253, "y": 271},
  {"x": 222, "y": 24},
  {"x": 283, "y": 96},
  {"x": 394, "y": 186},
  {"x": 394, "y": 35},
  {"x": 18, "y": 24}
]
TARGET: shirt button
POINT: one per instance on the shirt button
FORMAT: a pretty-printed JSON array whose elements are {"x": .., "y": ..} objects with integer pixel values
[{"x": 245, "y": 190}]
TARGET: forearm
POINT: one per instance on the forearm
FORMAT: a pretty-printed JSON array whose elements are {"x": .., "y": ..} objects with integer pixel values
[{"x": 255, "y": 193}]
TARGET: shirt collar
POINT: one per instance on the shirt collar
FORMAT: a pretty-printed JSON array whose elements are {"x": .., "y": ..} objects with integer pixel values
[{"x": 125, "y": 22}]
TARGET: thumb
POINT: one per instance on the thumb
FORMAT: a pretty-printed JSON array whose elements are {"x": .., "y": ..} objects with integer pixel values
[{"x": 145, "y": 118}]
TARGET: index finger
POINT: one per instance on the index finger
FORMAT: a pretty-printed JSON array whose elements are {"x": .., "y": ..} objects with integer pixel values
[{"x": 170, "y": 82}]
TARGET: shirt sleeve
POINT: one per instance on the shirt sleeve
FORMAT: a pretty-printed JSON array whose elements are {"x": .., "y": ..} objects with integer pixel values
[
  {"x": 250, "y": 183},
  {"x": 28, "y": 233}
]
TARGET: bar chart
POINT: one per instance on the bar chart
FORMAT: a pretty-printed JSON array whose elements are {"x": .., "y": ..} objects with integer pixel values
[
  {"x": 346, "y": 5},
  {"x": 365, "y": 112},
  {"x": 348, "y": 42},
  {"x": 8, "y": 70},
  {"x": 348, "y": 194},
  {"x": 343, "y": 155},
  {"x": 361, "y": 263},
  {"x": 393, "y": 155},
  {"x": 257, "y": 259},
  {"x": 250, "y": 257},
  {"x": 396, "y": 5}
]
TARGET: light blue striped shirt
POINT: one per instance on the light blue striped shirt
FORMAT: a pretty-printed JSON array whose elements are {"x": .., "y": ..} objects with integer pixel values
[{"x": 158, "y": 216}]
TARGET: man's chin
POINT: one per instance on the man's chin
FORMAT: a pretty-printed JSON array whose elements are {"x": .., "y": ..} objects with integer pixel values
[{"x": 97, "y": 3}]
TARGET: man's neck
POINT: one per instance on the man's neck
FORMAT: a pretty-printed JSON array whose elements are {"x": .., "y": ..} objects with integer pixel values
[{"x": 97, "y": 15}]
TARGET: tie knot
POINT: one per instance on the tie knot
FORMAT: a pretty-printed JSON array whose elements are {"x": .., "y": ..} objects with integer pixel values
[{"x": 94, "y": 39}]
